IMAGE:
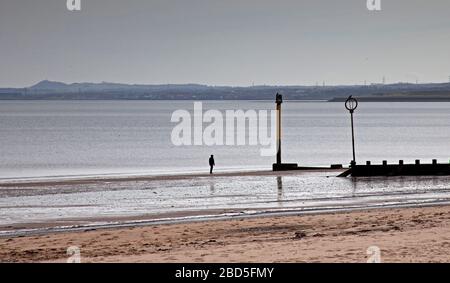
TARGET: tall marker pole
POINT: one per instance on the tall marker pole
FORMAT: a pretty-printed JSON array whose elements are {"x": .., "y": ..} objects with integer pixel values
[
  {"x": 351, "y": 104},
  {"x": 279, "y": 100},
  {"x": 353, "y": 138}
]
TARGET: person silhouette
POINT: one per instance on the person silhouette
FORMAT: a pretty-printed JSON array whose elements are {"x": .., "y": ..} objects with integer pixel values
[{"x": 211, "y": 164}]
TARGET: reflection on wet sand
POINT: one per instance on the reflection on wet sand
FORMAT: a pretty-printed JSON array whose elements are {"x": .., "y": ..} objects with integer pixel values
[{"x": 280, "y": 191}]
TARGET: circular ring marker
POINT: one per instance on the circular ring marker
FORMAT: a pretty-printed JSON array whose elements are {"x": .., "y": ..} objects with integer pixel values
[{"x": 351, "y": 104}]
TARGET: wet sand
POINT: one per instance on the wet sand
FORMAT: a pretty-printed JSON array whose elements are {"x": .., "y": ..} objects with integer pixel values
[
  {"x": 6, "y": 183},
  {"x": 402, "y": 234}
]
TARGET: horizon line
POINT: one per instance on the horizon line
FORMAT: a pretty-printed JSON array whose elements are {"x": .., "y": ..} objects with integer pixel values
[{"x": 231, "y": 86}]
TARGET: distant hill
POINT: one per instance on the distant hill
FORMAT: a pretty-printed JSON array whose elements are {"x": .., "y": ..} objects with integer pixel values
[
  {"x": 48, "y": 85},
  {"x": 51, "y": 86},
  {"x": 107, "y": 91}
]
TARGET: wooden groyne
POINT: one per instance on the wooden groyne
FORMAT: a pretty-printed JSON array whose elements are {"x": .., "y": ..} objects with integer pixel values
[{"x": 400, "y": 169}]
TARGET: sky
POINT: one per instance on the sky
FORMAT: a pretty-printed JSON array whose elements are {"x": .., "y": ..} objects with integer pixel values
[{"x": 224, "y": 42}]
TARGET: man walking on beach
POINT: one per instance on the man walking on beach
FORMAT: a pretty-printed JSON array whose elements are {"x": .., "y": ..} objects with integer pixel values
[{"x": 211, "y": 164}]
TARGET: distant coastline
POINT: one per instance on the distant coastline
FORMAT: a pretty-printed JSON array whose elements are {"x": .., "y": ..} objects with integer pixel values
[
  {"x": 404, "y": 92},
  {"x": 409, "y": 97}
]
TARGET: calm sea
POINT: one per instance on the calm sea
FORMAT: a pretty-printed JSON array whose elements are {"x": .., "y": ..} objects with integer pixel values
[{"x": 65, "y": 138}]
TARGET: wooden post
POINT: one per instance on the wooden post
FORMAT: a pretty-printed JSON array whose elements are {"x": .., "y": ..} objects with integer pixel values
[{"x": 279, "y": 100}]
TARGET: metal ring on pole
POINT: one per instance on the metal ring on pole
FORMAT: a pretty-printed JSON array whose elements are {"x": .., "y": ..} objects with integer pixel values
[{"x": 351, "y": 104}]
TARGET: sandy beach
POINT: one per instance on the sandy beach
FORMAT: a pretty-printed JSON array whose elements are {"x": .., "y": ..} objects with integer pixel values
[
  {"x": 402, "y": 235},
  {"x": 297, "y": 216}
]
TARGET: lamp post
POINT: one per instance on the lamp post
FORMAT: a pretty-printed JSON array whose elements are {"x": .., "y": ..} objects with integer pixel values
[
  {"x": 351, "y": 104},
  {"x": 278, "y": 101}
]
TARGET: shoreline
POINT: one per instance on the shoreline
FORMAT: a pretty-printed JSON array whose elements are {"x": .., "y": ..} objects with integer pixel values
[
  {"x": 72, "y": 180},
  {"x": 418, "y": 234},
  {"x": 341, "y": 230},
  {"x": 275, "y": 206},
  {"x": 201, "y": 216}
]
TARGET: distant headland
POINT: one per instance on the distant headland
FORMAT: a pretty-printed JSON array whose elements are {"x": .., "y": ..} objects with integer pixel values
[{"x": 52, "y": 90}]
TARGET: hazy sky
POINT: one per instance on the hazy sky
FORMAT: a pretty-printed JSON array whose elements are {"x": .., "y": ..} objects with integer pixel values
[{"x": 224, "y": 42}]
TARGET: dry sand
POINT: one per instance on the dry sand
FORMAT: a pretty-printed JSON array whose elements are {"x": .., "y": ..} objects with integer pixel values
[{"x": 402, "y": 234}]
